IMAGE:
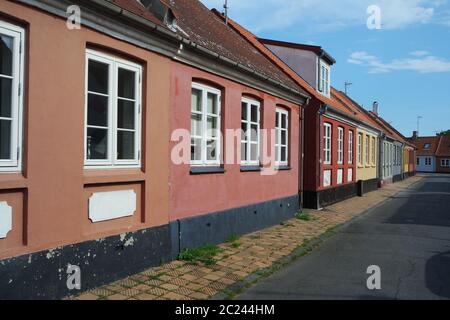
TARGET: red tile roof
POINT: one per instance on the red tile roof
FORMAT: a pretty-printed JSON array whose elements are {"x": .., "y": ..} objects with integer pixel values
[
  {"x": 420, "y": 143},
  {"x": 137, "y": 8},
  {"x": 359, "y": 112},
  {"x": 253, "y": 40},
  {"x": 209, "y": 30},
  {"x": 443, "y": 149}
]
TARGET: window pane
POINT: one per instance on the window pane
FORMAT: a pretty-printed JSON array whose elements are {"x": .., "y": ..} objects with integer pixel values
[
  {"x": 127, "y": 81},
  {"x": 196, "y": 124},
  {"x": 97, "y": 144},
  {"x": 98, "y": 77},
  {"x": 97, "y": 110},
  {"x": 277, "y": 153},
  {"x": 244, "y": 111},
  {"x": 212, "y": 103},
  {"x": 283, "y": 137},
  {"x": 126, "y": 114},
  {"x": 254, "y": 113},
  {"x": 283, "y": 154},
  {"x": 284, "y": 121},
  {"x": 5, "y": 97},
  {"x": 5, "y": 139},
  {"x": 211, "y": 150},
  {"x": 243, "y": 131},
  {"x": 254, "y": 133},
  {"x": 125, "y": 145},
  {"x": 243, "y": 151},
  {"x": 212, "y": 127},
  {"x": 277, "y": 120},
  {"x": 196, "y": 149},
  {"x": 254, "y": 152},
  {"x": 196, "y": 100},
  {"x": 6, "y": 55}
]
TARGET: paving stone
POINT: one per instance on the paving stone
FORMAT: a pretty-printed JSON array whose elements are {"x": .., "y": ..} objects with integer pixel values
[
  {"x": 87, "y": 296},
  {"x": 117, "y": 296},
  {"x": 145, "y": 296}
]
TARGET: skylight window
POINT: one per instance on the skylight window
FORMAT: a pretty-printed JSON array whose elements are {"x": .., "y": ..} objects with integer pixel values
[{"x": 427, "y": 146}]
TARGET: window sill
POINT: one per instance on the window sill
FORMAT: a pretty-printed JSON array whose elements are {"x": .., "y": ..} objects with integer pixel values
[
  {"x": 9, "y": 181},
  {"x": 250, "y": 168},
  {"x": 112, "y": 176},
  {"x": 283, "y": 168},
  {"x": 206, "y": 170}
]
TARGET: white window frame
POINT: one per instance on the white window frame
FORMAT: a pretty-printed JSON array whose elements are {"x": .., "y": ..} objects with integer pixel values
[
  {"x": 373, "y": 157},
  {"x": 14, "y": 164},
  {"x": 350, "y": 147},
  {"x": 367, "y": 150},
  {"x": 340, "y": 141},
  {"x": 360, "y": 150},
  {"x": 327, "y": 143},
  {"x": 114, "y": 64},
  {"x": 324, "y": 78},
  {"x": 418, "y": 161},
  {"x": 445, "y": 162},
  {"x": 278, "y": 130},
  {"x": 248, "y": 123},
  {"x": 204, "y": 162},
  {"x": 428, "y": 161}
]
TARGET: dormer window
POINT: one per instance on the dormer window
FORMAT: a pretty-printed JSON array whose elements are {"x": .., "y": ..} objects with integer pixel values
[{"x": 324, "y": 79}]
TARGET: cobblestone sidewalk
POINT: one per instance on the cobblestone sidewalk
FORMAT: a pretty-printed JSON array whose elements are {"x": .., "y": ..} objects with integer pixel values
[{"x": 181, "y": 280}]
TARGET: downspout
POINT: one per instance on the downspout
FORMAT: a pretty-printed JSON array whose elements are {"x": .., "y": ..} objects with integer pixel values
[
  {"x": 322, "y": 110},
  {"x": 302, "y": 153}
]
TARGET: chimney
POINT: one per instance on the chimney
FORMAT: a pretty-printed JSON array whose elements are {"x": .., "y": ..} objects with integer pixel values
[
  {"x": 414, "y": 134},
  {"x": 375, "y": 108}
]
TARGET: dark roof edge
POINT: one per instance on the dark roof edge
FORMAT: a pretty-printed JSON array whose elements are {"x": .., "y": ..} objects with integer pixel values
[{"x": 316, "y": 49}]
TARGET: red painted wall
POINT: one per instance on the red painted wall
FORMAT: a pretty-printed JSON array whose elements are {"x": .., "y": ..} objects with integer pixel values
[
  {"x": 334, "y": 166},
  {"x": 193, "y": 195}
]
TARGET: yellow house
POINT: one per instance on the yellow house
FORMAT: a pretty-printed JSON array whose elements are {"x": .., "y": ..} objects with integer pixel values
[{"x": 366, "y": 154}]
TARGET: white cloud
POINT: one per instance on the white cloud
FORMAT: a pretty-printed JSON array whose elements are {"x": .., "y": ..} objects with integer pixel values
[
  {"x": 419, "y": 53},
  {"x": 424, "y": 63},
  {"x": 324, "y": 15}
]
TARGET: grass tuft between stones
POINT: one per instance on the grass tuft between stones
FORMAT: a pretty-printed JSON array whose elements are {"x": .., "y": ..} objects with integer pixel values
[{"x": 204, "y": 254}]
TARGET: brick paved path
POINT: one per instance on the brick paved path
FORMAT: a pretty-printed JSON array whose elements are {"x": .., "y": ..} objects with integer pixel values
[{"x": 181, "y": 280}]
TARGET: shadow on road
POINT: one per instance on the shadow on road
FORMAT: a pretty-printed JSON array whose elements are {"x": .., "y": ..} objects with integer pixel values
[{"x": 438, "y": 274}]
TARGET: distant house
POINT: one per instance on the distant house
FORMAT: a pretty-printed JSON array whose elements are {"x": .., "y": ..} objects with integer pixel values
[
  {"x": 443, "y": 155},
  {"x": 426, "y": 152}
]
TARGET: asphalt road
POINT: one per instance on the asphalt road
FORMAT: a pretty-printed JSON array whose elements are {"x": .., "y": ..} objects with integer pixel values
[{"x": 408, "y": 237}]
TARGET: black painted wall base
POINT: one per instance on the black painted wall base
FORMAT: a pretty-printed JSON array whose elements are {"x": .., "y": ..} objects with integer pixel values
[
  {"x": 217, "y": 227},
  {"x": 320, "y": 199},
  {"x": 397, "y": 178},
  {"x": 43, "y": 275},
  {"x": 366, "y": 186}
]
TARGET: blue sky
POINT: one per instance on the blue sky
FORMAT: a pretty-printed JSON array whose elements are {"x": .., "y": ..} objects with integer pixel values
[{"x": 405, "y": 65}]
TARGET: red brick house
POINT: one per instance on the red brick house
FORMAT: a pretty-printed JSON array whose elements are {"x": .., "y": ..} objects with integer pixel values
[
  {"x": 443, "y": 155},
  {"x": 329, "y": 146}
]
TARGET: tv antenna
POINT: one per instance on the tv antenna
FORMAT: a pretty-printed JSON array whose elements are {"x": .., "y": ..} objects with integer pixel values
[
  {"x": 225, "y": 11},
  {"x": 347, "y": 85}
]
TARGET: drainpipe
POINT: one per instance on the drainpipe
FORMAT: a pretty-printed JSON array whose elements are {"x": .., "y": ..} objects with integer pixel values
[
  {"x": 301, "y": 152},
  {"x": 322, "y": 110}
]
